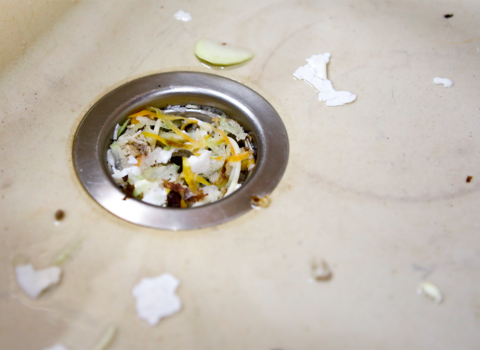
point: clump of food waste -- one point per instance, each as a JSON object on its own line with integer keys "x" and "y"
{"x": 258, "y": 203}
{"x": 176, "y": 161}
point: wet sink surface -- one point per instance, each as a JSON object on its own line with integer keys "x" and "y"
{"x": 377, "y": 188}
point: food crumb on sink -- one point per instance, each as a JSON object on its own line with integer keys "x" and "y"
{"x": 59, "y": 216}
{"x": 57, "y": 346}
{"x": 183, "y": 16}
{"x": 33, "y": 283}
{"x": 315, "y": 73}
{"x": 431, "y": 291}
{"x": 156, "y": 298}
{"x": 260, "y": 202}
{"x": 469, "y": 179}
{"x": 321, "y": 271}
{"x": 445, "y": 81}
{"x": 448, "y": 15}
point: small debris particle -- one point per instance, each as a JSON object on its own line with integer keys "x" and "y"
{"x": 224, "y": 44}
{"x": 469, "y": 179}
{"x": 448, "y": 15}
{"x": 59, "y": 215}
{"x": 321, "y": 272}
{"x": 125, "y": 178}
{"x": 156, "y": 298}
{"x": 183, "y": 16}
{"x": 431, "y": 291}
{"x": 260, "y": 202}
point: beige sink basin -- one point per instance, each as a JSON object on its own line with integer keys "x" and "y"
{"x": 376, "y": 188}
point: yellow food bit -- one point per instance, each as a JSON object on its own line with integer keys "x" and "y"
{"x": 189, "y": 121}
{"x": 144, "y": 113}
{"x": 202, "y": 181}
{"x": 172, "y": 126}
{"x": 140, "y": 159}
{"x": 239, "y": 157}
{"x": 188, "y": 175}
{"x": 134, "y": 121}
{"x": 227, "y": 141}
{"x": 156, "y": 137}
{"x": 183, "y": 204}
{"x": 247, "y": 163}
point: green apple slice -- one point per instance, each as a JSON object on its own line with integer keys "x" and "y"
{"x": 220, "y": 54}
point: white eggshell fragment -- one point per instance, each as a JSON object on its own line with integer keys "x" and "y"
{"x": 156, "y": 298}
{"x": 220, "y": 54}
{"x": 34, "y": 282}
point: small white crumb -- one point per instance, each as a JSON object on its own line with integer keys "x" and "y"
{"x": 315, "y": 73}
{"x": 115, "y": 133}
{"x": 431, "y": 291}
{"x": 57, "y": 346}
{"x": 445, "y": 81}
{"x": 156, "y": 298}
{"x": 183, "y": 16}
{"x": 35, "y": 282}
{"x": 131, "y": 160}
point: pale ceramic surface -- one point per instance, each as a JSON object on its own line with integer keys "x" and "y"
{"x": 376, "y": 188}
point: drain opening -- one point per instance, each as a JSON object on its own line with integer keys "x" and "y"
{"x": 180, "y": 156}
{"x": 194, "y": 95}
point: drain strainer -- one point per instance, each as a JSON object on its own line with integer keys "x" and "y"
{"x": 239, "y": 102}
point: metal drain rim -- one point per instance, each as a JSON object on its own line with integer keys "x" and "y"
{"x": 99, "y": 122}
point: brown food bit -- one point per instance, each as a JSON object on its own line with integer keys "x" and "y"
{"x": 174, "y": 199}
{"x": 59, "y": 215}
{"x": 469, "y": 179}
{"x": 224, "y": 44}
{"x": 260, "y": 202}
{"x": 448, "y": 15}
{"x": 125, "y": 178}
{"x": 187, "y": 195}
{"x": 128, "y": 190}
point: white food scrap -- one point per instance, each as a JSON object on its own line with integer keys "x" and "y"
{"x": 431, "y": 291}
{"x": 57, "y": 346}
{"x": 445, "y": 81}
{"x": 315, "y": 73}
{"x": 156, "y": 298}
{"x": 183, "y": 16}
{"x": 34, "y": 282}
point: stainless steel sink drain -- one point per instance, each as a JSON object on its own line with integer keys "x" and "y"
{"x": 239, "y": 102}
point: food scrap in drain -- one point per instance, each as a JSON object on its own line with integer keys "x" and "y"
{"x": 169, "y": 160}
{"x": 156, "y": 298}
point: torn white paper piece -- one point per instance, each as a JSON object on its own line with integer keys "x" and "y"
{"x": 34, "y": 282}
{"x": 156, "y": 298}
{"x": 57, "y": 346}
{"x": 183, "y": 16}
{"x": 445, "y": 81}
{"x": 315, "y": 73}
